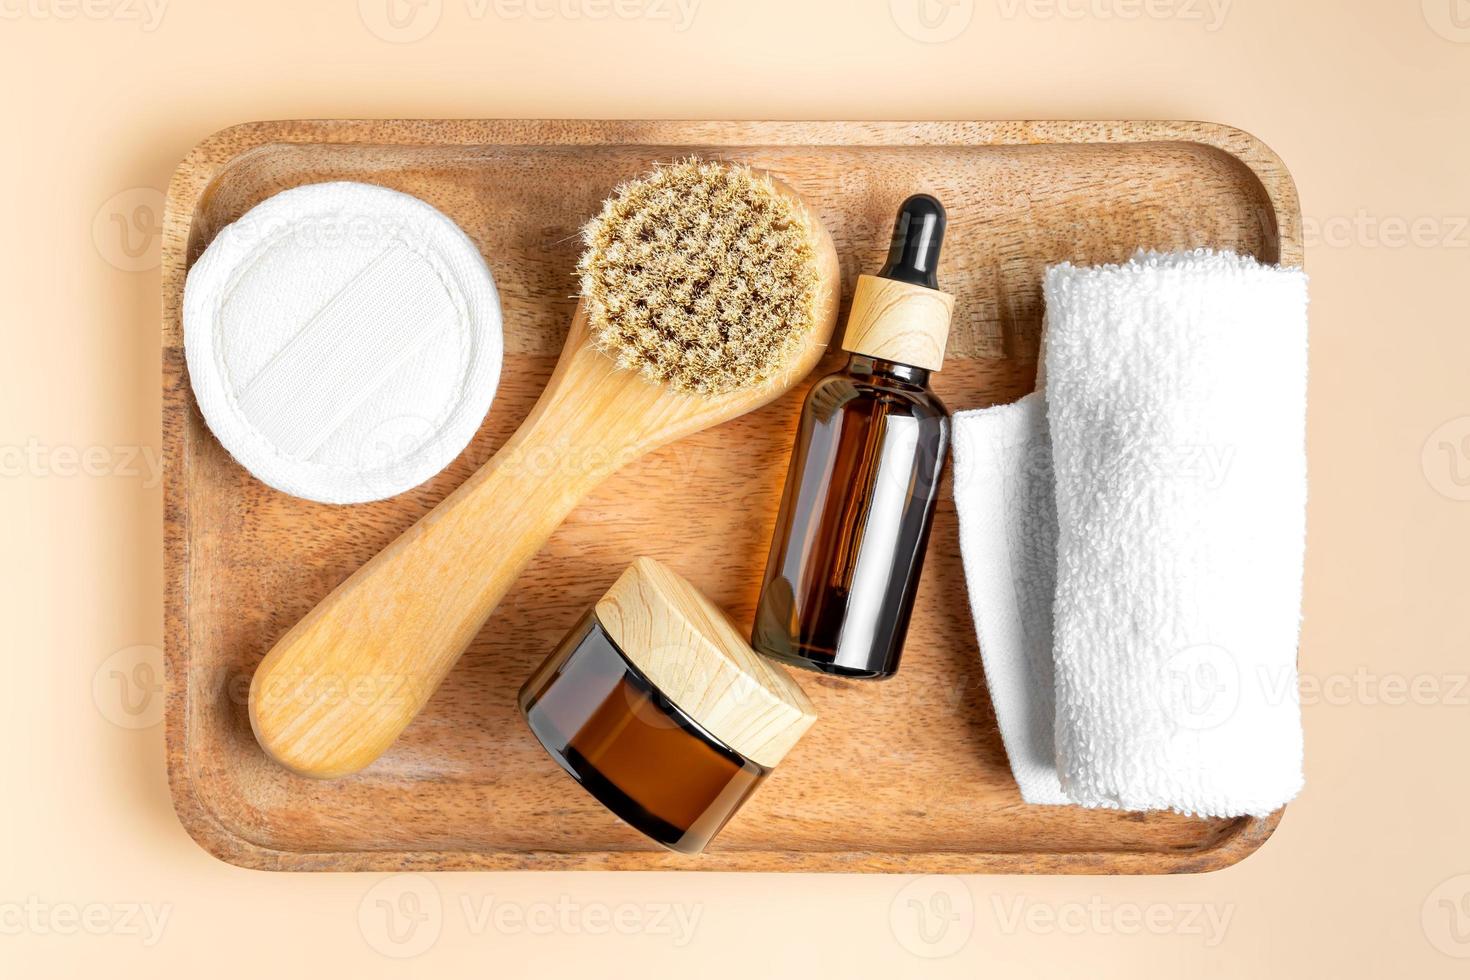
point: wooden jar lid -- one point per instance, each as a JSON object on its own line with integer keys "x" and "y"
{"x": 688, "y": 648}
{"x": 898, "y": 321}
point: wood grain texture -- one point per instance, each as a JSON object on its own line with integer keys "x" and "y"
{"x": 688, "y": 648}
{"x": 344, "y": 682}
{"x": 898, "y": 321}
{"x": 908, "y": 776}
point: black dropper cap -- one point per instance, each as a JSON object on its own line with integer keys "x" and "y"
{"x": 918, "y": 232}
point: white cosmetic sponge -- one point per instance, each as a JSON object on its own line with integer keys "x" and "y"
{"x": 343, "y": 341}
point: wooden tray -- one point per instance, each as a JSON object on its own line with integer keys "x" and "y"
{"x": 908, "y": 775}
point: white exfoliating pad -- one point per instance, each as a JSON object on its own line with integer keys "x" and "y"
{"x": 343, "y": 341}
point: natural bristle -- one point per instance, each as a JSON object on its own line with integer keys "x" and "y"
{"x": 702, "y": 276}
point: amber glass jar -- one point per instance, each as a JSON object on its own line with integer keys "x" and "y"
{"x": 612, "y": 730}
{"x": 607, "y": 706}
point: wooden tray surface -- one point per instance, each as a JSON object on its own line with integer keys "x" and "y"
{"x": 908, "y": 775}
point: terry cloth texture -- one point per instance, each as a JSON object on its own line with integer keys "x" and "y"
{"x": 1133, "y": 538}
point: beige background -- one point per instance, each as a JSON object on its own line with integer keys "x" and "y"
{"x": 1366, "y": 101}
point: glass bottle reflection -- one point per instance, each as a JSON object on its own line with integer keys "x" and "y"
{"x": 854, "y": 523}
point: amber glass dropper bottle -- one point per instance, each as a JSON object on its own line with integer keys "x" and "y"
{"x": 864, "y": 477}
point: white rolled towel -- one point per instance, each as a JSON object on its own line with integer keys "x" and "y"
{"x": 1156, "y": 490}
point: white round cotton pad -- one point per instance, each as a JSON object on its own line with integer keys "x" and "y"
{"x": 343, "y": 341}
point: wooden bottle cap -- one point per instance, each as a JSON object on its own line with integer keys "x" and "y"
{"x": 688, "y": 648}
{"x": 898, "y": 321}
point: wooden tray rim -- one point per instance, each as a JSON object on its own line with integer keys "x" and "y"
{"x": 212, "y": 156}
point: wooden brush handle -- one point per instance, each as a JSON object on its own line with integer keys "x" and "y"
{"x": 342, "y": 684}
{"x": 338, "y": 688}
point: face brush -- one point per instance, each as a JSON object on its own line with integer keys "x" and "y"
{"x": 707, "y": 291}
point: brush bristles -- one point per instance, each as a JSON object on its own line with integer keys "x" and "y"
{"x": 701, "y": 276}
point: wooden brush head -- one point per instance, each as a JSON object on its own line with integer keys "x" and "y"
{"x": 704, "y": 277}
{"x": 408, "y": 613}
